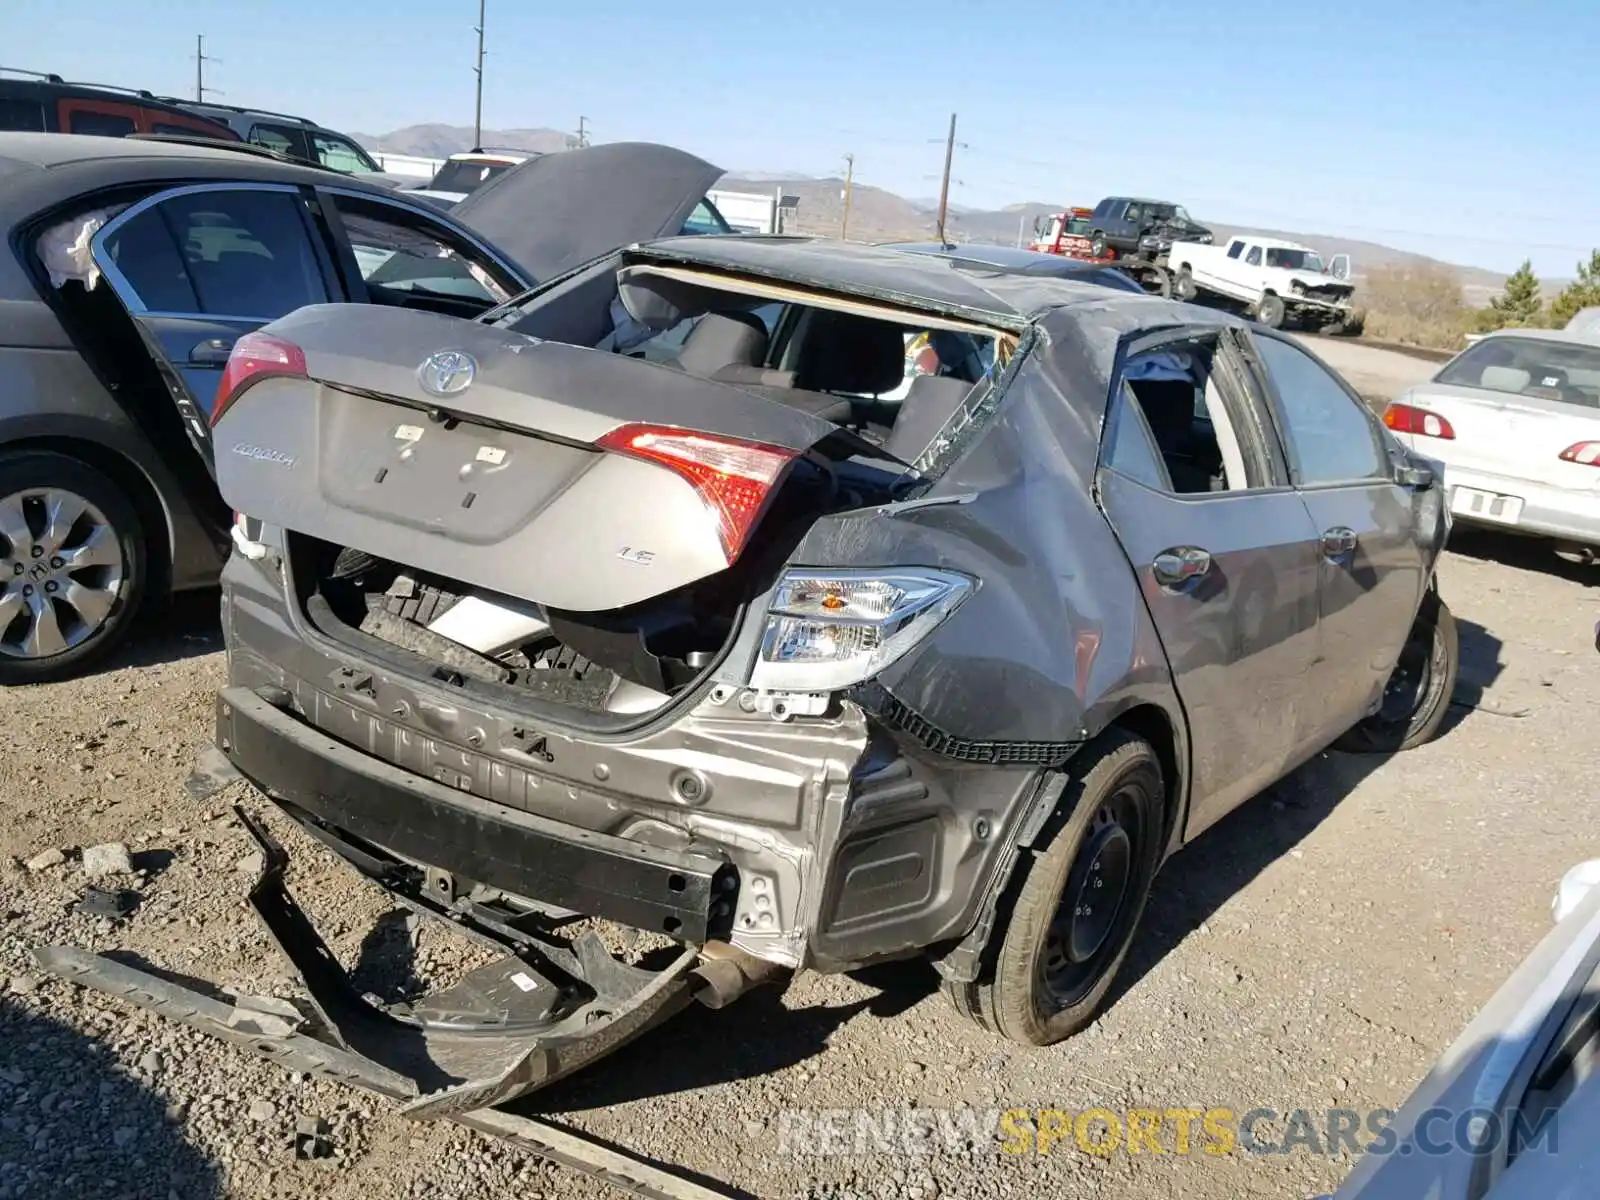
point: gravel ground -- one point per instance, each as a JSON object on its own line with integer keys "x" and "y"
{"x": 1319, "y": 947}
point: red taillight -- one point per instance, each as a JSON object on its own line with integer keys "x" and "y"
{"x": 733, "y": 477}
{"x": 1404, "y": 418}
{"x": 1585, "y": 453}
{"x": 253, "y": 357}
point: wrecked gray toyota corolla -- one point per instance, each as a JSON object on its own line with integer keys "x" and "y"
{"x": 690, "y": 592}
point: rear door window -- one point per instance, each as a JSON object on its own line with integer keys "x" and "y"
{"x": 705, "y": 219}
{"x": 239, "y": 253}
{"x": 1254, "y": 257}
{"x": 22, "y": 116}
{"x": 339, "y": 154}
{"x": 285, "y": 141}
{"x": 401, "y": 251}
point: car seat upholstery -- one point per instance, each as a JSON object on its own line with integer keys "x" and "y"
{"x": 1234, "y": 478}
{"x": 929, "y": 403}
{"x": 718, "y": 340}
{"x": 846, "y": 353}
{"x": 1504, "y": 379}
{"x": 1169, "y": 410}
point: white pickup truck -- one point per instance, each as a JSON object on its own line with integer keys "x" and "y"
{"x": 1276, "y": 281}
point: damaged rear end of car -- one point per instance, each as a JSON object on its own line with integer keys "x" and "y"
{"x": 741, "y": 655}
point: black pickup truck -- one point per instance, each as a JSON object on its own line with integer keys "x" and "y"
{"x": 1129, "y": 225}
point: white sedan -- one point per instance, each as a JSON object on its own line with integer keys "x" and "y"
{"x": 1515, "y": 421}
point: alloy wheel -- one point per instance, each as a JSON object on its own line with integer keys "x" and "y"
{"x": 61, "y": 570}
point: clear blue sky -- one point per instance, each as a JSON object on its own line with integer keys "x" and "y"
{"x": 1465, "y": 129}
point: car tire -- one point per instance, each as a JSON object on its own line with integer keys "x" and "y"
{"x": 1097, "y": 245}
{"x": 1183, "y": 286}
{"x": 1270, "y": 311}
{"x": 1046, "y": 983}
{"x": 89, "y": 608}
{"x": 1434, "y": 650}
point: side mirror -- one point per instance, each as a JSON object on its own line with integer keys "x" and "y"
{"x": 1417, "y": 478}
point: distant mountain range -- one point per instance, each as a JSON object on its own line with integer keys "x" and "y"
{"x": 880, "y": 215}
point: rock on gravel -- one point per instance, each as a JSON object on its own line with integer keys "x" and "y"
{"x": 111, "y": 858}
{"x": 46, "y": 859}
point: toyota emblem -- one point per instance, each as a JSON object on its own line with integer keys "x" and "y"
{"x": 447, "y": 373}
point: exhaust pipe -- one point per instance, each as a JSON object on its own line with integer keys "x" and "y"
{"x": 725, "y": 973}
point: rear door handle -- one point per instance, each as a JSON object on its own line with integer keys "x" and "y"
{"x": 1338, "y": 542}
{"x": 213, "y": 352}
{"x": 1175, "y": 567}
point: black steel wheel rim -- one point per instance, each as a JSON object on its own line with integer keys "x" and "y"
{"x": 1411, "y": 681}
{"x": 1090, "y": 921}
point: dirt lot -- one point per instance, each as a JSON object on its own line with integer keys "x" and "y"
{"x": 1318, "y": 948}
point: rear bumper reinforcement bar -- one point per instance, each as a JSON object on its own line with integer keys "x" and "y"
{"x": 595, "y": 874}
{"x": 501, "y": 1032}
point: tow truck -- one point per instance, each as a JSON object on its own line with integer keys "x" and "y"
{"x": 1068, "y": 233}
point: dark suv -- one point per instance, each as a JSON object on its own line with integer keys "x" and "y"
{"x": 1149, "y": 227}
{"x": 33, "y": 102}
{"x": 298, "y": 138}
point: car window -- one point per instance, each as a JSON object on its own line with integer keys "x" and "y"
{"x": 1234, "y": 249}
{"x": 339, "y": 154}
{"x": 1134, "y": 213}
{"x": 399, "y": 252}
{"x": 100, "y": 124}
{"x": 1328, "y": 434}
{"x": 1254, "y": 257}
{"x": 274, "y": 139}
{"x": 1132, "y": 451}
{"x": 1518, "y": 366}
{"x": 1188, "y": 410}
{"x": 467, "y": 175}
{"x": 23, "y": 116}
{"x": 705, "y": 219}
{"x": 243, "y": 253}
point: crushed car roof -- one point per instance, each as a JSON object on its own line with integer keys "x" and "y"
{"x": 990, "y": 294}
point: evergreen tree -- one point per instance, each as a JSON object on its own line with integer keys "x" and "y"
{"x": 1582, "y": 292}
{"x": 1520, "y": 303}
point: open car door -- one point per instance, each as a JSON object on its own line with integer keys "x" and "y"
{"x": 197, "y": 267}
{"x": 1339, "y": 267}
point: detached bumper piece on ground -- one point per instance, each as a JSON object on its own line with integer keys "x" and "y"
{"x": 504, "y": 1030}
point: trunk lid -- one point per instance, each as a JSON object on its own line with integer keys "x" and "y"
{"x": 556, "y": 211}
{"x": 501, "y": 483}
{"x": 1502, "y": 433}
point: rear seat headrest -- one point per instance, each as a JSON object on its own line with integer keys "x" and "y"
{"x": 723, "y": 339}
{"x": 1504, "y": 379}
{"x": 929, "y": 403}
{"x": 847, "y": 353}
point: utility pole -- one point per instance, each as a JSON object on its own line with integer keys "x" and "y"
{"x": 477, "y": 117}
{"x": 849, "y": 186}
{"x": 200, "y": 61}
{"x": 583, "y": 134}
{"x": 944, "y": 185}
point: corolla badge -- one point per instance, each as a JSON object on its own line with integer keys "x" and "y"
{"x": 447, "y": 373}
{"x": 264, "y": 454}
